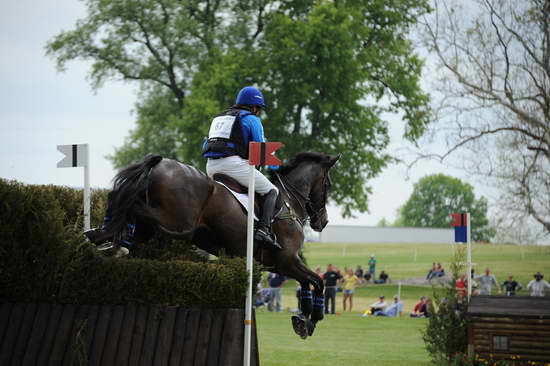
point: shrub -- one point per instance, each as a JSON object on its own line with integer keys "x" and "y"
{"x": 43, "y": 258}
{"x": 92, "y": 278}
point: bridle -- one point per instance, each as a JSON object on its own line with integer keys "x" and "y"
{"x": 306, "y": 204}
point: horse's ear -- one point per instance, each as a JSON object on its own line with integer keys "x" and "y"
{"x": 332, "y": 161}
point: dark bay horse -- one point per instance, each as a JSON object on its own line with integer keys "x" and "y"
{"x": 181, "y": 201}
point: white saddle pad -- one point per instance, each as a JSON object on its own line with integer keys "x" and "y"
{"x": 242, "y": 198}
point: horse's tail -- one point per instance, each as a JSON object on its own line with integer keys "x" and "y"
{"x": 129, "y": 193}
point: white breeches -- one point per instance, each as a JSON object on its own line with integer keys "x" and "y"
{"x": 238, "y": 169}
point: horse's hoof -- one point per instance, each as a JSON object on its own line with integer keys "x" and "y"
{"x": 300, "y": 327}
{"x": 121, "y": 252}
{"x": 310, "y": 327}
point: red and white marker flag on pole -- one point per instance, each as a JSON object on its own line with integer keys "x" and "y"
{"x": 259, "y": 153}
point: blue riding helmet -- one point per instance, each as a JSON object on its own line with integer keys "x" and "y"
{"x": 249, "y": 95}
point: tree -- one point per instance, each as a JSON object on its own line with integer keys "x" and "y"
{"x": 328, "y": 69}
{"x": 435, "y": 197}
{"x": 493, "y": 95}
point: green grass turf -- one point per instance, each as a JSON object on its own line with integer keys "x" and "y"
{"x": 398, "y": 259}
{"x": 349, "y": 339}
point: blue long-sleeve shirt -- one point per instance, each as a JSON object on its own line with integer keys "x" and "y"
{"x": 252, "y": 128}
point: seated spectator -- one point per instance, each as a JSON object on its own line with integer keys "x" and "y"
{"x": 263, "y": 295}
{"x": 538, "y": 285}
{"x": 367, "y": 277}
{"x": 440, "y": 272}
{"x": 378, "y": 306}
{"x": 383, "y": 278}
{"x": 436, "y": 271}
{"x": 359, "y": 272}
{"x": 393, "y": 310}
{"x": 510, "y": 286}
{"x": 420, "y": 308}
{"x": 432, "y": 270}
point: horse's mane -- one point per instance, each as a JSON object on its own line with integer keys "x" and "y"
{"x": 314, "y": 157}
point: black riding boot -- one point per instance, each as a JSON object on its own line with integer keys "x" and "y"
{"x": 263, "y": 230}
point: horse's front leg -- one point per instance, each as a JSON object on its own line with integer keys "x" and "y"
{"x": 312, "y": 303}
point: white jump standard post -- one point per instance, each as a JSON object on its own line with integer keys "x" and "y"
{"x": 78, "y": 155}
{"x": 259, "y": 153}
{"x": 249, "y": 264}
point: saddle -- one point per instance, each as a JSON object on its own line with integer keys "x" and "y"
{"x": 237, "y": 187}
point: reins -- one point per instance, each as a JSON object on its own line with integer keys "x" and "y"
{"x": 293, "y": 192}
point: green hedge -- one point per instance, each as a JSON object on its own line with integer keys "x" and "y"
{"x": 43, "y": 258}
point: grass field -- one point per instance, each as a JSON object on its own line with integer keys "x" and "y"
{"x": 349, "y": 339}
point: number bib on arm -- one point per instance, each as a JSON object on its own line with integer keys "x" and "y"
{"x": 221, "y": 127}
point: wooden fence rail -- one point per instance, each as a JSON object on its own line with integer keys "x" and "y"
{"x": 54, "y": 334}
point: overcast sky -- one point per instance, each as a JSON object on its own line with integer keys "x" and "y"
{"x": 41, "y": 108}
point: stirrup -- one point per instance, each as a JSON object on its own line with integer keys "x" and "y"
{"x": 119, "y": 251}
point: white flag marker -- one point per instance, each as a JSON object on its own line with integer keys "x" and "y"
{"x": 75, "y": 156}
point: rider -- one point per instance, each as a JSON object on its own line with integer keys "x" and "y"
{"x": 227, "y": 151}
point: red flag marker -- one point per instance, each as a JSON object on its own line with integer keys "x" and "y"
{"x": 261, "y": 153}
{"x": 459, "y": 219}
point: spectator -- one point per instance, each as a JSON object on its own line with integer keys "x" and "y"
{"x": 367, "y": 277}
{"x": 276, "y": 281}
{"x": 393, "y": 310}
{"x": 432, "y": 270}
{"x": 330, "y": 277}
{"x": 460, "y": 286}
{"x": 538, "y": 285}
{"x": 350, "y": 281}
{"x": 436, "y": 271}
{"x": 262, "y": 296}
{"x": 378, "y": 306}
{"x": 440, "y": 272}
{"x": 510, "y": 286}
{"x": 419, "y": 310}
{"x": 486, "y": 282}
{"x": 383, "y": 278}
{"x": 319, "y": 272}
{"x": 372, "y": 267}
{"x": 359, "y": 272}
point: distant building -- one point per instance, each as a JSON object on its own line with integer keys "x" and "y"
{"x": 377, "y": 234}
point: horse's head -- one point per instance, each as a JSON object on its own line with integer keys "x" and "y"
{"x": 316, "y": 207}
{"x": 307, "y": 177}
